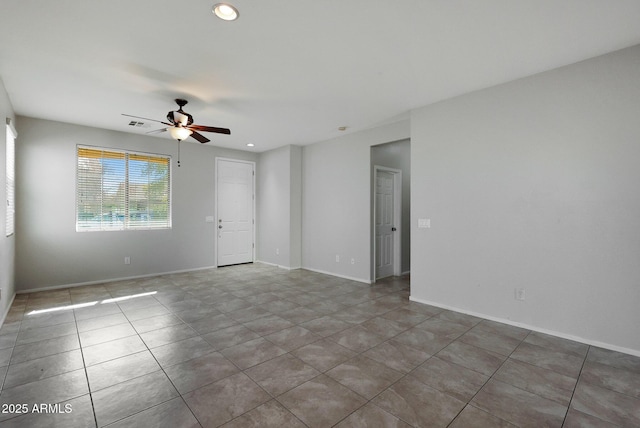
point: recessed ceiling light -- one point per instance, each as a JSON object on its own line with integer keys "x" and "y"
{"x": 225, "y": 11}
{"x": 250, "y": 145}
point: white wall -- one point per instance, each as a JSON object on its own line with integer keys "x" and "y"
{"x": 49, "y": 252}
{"x": 279, "y": 207}
{"x": 295, "y": 207}
{"x": 336, "y": 203}
{"x": 534, "y": 184}
{"x": 397, "y": 155}
{"x": 7, "y": 243}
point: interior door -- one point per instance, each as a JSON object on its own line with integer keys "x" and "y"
{"x": 385, "y": 228}
{"x": 235, "y": 211}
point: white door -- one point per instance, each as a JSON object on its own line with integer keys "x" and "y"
{"x": 385, "y": 227}
{"x": 234, "y": 203}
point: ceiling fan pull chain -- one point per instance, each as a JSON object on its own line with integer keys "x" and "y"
{"x": 178, "y": 153}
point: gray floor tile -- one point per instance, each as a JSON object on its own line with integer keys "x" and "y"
{"x": 566, "y": 364}
{"x": 397, "y": 356}
{"x": 452, "y": 379}
{"x": 364, "y": 376}
{"x": 121, "y": 369}
{"x": 200, "y": 371}
{"x": 170, "y": 414}
{"x": 576, "y": 419}
{"x": 73, "y": 413}
{"x": 321, "y": 402}
{"x": 472, "y": 357}
{"x": 41, "y": 368}
{"x": 101, "y": 322}
{"x": 418, "y": 404}
{"x": 292, "y": 338}
{"x": 167, "y": 335}
{"x": 422, "y": 340}
{"x": 281, "y": 374}
{"x": 268, "y": 324}
{"x": 371, "y": 416}
{"x": 44, "y": 348}
{"x": 55, "y": 389}
{"x": 443, "y": 328}
{"x": 127, "y": 398}
{"x": 472, "y": 417}
{"x": 113, "y": 349}
{"x": 420, "y": 364}
{"x": 182, "y": 350}
{"x": 212, "y": 323}
{"x": 269, "y": 415}
{"x": 490, "y": 341}
{"x": 324, "y": 354}
{"x": 154, "y": 323}
{"x": 44, "y": 333}
{"x": 357, "y": 338}
{"x": 519, "y": 407}
{"x": 558, "y": 344}
{"x": 325, "y": 326}
{"x": 543, "y": 382}
{"x": 607, "y": 405}
{"x": 107, "y": 334}
{"x": 220, "y": 402}
{"x": 230, "y": 336}
{"x": 251, "y": 353}
{"x": 614, "y": 359}
{"x": 605, "y": 376}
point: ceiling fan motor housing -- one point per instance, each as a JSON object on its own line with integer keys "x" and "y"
{"x": 180, "y": 118}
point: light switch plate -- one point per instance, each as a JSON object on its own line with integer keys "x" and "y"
{"x": 424, "y": 223}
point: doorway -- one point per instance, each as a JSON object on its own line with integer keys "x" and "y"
{"x": 387, "y": 221}
{"x": 235, "y": 211}
{"x": 392, "y": 157}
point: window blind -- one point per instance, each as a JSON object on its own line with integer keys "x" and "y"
{"x": 10, "y": 161}
{"x": 119, "y": 190}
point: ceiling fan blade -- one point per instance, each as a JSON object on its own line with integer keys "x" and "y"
{"x": 200, "y": 137}
{"x": 210, "y": 129}
{"x": 146, "y": 118}
{"x": 157, "y": 131}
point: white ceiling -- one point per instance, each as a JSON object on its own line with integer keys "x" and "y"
{"x": 286, "y": 72}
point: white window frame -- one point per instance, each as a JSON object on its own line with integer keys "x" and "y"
{"x": 11, "y": 135}
{"x": 126, "y": 224}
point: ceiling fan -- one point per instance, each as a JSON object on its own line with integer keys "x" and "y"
{"x": 180, "y": 125}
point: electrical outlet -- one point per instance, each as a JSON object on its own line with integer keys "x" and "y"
{"x": 353, "y": 261}
{"x": 277, "y": 251}
{"x": 519, "y": 294}
{"x": 127, "y": 260}
{"x": 337, "y": 258}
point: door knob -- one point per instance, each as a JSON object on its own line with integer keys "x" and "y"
{"x": 220, "y": 227}
{"x": 393, "y": 229}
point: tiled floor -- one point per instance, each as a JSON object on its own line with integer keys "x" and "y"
{"x": 257, "y": 346}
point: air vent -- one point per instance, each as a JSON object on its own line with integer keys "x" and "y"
{"x": 136, "y": 123}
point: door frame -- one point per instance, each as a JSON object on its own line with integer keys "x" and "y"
{"x": 215, "y": 202}
{"x": 397, "y": 219}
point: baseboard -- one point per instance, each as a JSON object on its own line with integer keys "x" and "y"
{"x": 532, "y": 328}
{"x": 102, "y": 281}
{"x": 366, "y": 281}
{"x": 6, "y": 312}
{"x": 277, "y": 265}
{"x": 405, "y": 273}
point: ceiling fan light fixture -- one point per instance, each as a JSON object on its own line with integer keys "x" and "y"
{"x": 179, "y": 133}
{"x": 226, "y": 11}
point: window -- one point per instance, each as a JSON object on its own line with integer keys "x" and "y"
{"x": 11, "y": 178}
{"x": 118, "y": 190}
